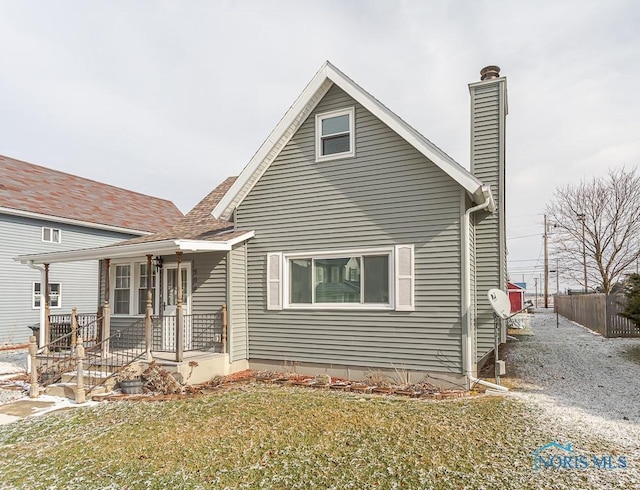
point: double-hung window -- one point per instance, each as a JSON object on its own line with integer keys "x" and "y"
{"x": 335, "y": 135}
{"x": 55, "y": 295}
{"x": 365, "y": 279}
{"x": 129, "y": 288}
{"x": 122, "y": 289}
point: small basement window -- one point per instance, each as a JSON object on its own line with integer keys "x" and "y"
{"x": 335, "y": 135}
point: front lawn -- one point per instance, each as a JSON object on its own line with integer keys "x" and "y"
{"x": 258, "y": 436}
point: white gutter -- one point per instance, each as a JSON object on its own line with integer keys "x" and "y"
{"x": 467, "y": 335}
{"x": 42, "y": 305}
{"x": 74, "y": 222}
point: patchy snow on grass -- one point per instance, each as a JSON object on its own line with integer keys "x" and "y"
{"x": 586, "y": 386}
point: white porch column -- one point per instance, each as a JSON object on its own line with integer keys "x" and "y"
{"x": 47, "y": 308}
{"x": 106, "y": 310}
{"x": 149, "y": 311}
{"x": 179, "y": 317}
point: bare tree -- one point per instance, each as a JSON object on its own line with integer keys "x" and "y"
{"x": 600, "y": 219}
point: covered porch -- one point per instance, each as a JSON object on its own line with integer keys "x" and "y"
{"x": 159, "y": 300}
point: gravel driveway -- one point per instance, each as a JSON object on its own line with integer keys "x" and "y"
{"x": 587, "y": 386}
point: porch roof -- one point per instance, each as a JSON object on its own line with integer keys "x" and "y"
{"x": 222, "y": 241}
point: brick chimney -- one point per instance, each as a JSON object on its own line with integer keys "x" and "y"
{"x": 488, "y": 115}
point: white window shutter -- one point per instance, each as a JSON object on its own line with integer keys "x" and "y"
{"x": 274, "y": 281}
{"x": 404, "y": 278}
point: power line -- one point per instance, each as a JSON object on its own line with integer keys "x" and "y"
{"x": 522, "y": 236}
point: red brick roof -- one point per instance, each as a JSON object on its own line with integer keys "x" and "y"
{"x": 28, "y": 187}
{"x": 198, "y": 224}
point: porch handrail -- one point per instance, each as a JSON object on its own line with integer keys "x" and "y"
{"x": 116, "y": 361}
{"x": 59, "y": 361}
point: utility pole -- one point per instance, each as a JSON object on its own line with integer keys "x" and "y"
{"x": 546, "y": 265}
{"x": 582, "y": 217}
{"x": 535, "y": 280}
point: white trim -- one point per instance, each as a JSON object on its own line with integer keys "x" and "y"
{"x": 350, "y": 111}
{"x": 299, "y": 111}
{"x": 71, "y": 221}
{"x": 132, "y": 250}
{"x": 338, "y": 254}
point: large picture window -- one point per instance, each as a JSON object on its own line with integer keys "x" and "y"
{"x": 381, "y": 278}
{"x": 358, "y": 279}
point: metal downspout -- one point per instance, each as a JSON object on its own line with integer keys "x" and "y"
{"x": 42, "y": 303}
{"x": 468, "y": 343}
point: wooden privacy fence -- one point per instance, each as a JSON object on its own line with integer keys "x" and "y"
{"x": 597, "y": 312}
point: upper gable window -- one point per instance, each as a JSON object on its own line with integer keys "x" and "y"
{"x": 335, "y": 135}
{"x": 51, "y": 235}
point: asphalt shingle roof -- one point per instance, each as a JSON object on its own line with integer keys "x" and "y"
{"x": 28, "y": 187}
{"x": 198, "y": 224}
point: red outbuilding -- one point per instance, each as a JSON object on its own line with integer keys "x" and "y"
{"x": 516, "y": 296}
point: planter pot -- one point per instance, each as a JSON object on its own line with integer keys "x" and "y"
{"x": 131, "y": 386}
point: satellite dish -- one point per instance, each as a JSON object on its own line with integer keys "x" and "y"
{"x": 499, "y": 302}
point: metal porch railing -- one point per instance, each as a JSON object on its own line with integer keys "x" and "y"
{"x": 202, "y": 331}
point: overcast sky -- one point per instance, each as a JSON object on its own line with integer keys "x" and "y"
{"x": 169, "y": 98}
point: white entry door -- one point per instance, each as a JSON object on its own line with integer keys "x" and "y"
{"x": 170, "y": 295}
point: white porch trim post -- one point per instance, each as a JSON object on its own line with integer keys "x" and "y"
{"x": 179, "y": 317}
{"x": 149, "y": 311}
{"x": 106, "y": 311}
{"x": 47, "y": 309}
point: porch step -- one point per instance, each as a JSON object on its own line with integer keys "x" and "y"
{"x": 67, "y": 390}
{"x": 91, "y": 378}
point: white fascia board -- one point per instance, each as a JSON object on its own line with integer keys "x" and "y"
{"x": 208, "y": 246}
{"x": 285, "y": 123}
{"x": 70, "y": 221}
{"x": 108, "y": 252}
{"x": 162, "y": 247}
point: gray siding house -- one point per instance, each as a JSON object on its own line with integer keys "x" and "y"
{"x": 43, "y": 210}
{"x": 349, "y": 243}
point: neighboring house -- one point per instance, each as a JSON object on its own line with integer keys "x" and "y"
{"x": 516, "y": 295}
{"x": 349, "y": 243}
{"x": 43, "y": 210}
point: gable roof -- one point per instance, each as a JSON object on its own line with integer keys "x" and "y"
{"x": 39, "y": 192}
{"x": 196, "y": 232}
{"x": 327, "y": 76}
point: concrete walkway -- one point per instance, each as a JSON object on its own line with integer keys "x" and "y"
{"x": 14, "y": 403}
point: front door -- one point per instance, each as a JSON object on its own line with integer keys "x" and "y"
{"x": 170, "y": 295}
